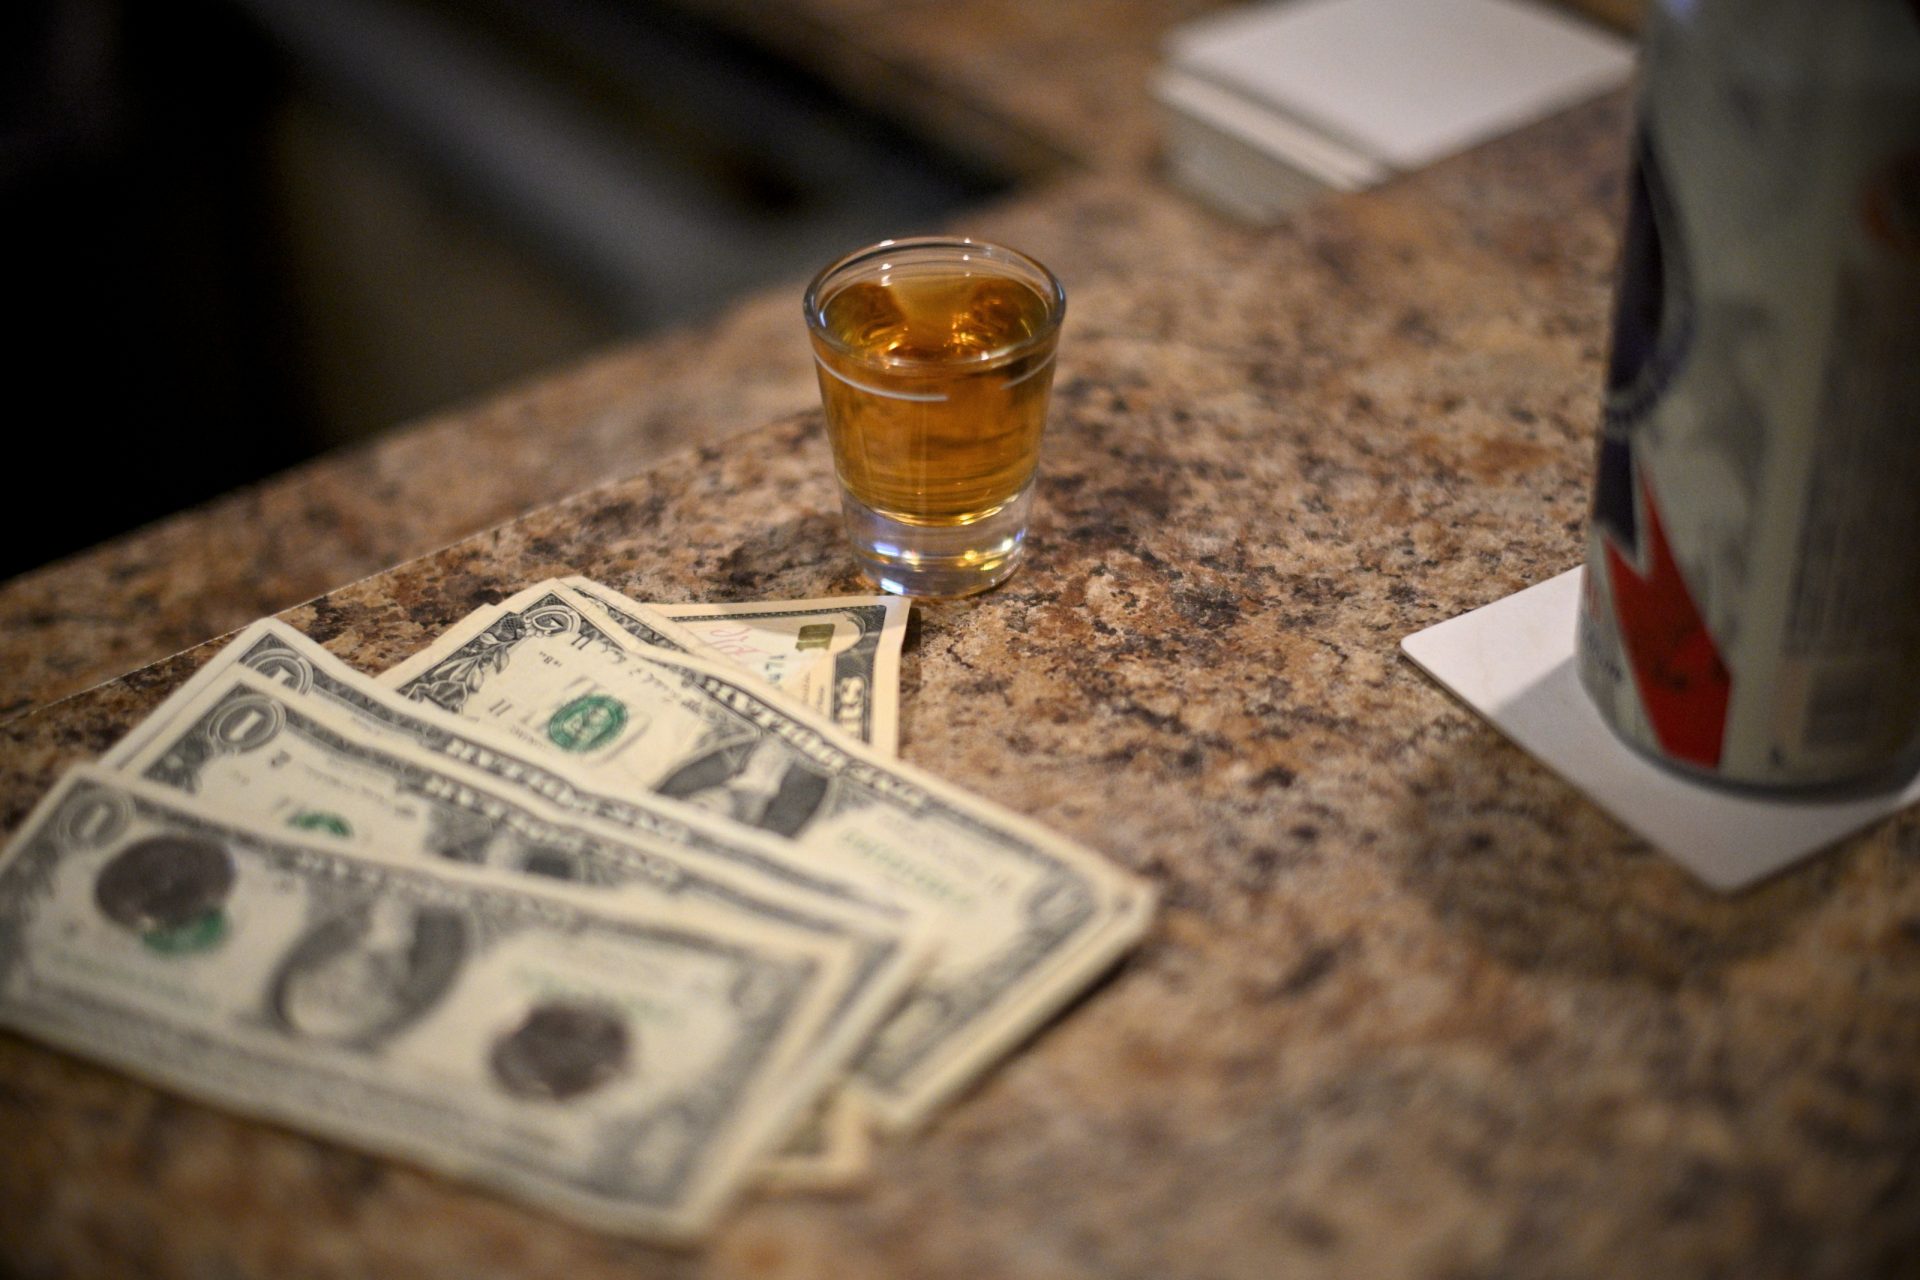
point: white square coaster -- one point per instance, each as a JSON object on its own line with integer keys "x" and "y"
{"x": 1405, "y": 82}
{"x": 1513, "y": 662}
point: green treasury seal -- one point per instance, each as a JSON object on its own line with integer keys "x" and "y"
{"x": 589, "y": 721}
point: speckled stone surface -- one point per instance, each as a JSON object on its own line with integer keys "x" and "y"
{"x": 1412, "y": 1007}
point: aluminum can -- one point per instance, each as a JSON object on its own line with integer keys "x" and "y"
{"x": 1751, "y": 606}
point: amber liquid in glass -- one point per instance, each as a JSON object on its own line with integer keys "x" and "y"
{"x": 937, "y": 414}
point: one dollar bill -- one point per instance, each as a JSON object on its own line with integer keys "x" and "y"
{"x": 573, "y": 1049}
{"x": 838, "y": 655}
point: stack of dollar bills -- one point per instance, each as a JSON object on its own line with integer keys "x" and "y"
{"x": 619, "y": 908}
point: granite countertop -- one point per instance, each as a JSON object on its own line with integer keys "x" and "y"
{"x": 1411, "y": 1007}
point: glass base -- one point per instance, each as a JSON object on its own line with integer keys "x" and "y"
{"x": 938, "y": 560}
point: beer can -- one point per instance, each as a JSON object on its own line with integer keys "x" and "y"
{"x": 1751, "y": 606}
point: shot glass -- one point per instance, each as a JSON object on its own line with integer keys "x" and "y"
{"x": 935, "y": 360}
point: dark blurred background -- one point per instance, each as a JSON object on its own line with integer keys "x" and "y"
{"x": 241, "y": 232}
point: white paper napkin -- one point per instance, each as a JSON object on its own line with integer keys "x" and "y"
{"x": 1404, "y": 81}
{"x": 1512, "y": 661}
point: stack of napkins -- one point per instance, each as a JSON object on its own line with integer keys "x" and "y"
{"x": 1269, "y": 105}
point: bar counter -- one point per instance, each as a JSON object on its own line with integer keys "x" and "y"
{"x": 1411, "y": 1006}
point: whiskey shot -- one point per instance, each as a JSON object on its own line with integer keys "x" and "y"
{"x": 935, "y": 360}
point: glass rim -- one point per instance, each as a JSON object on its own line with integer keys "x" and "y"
{"x": 1029, "y": 270}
